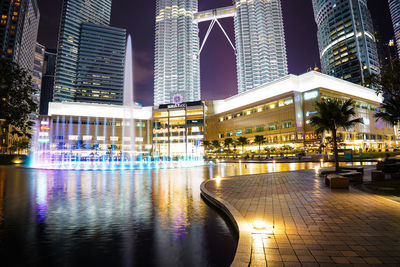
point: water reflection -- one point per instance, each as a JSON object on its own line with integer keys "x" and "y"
{"x": 120, "y": 218}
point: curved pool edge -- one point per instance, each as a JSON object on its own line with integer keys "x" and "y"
{"x": 244, "y": 247}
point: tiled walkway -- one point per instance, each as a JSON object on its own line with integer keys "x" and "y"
{"x": 313, "y": 226}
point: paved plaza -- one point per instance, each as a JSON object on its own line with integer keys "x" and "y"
{"x": 308, "y": 224}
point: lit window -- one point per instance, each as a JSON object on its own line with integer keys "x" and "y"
{"x": 287, "y": 124}
{"x": 73, "y": 137}
{"x": 272, "y": 127}
{"x": 260, "y": 129}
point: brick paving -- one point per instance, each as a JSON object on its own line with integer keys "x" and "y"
{"x": 313, "y": 225}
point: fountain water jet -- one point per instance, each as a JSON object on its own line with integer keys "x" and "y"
{"x": 99, "y": 146}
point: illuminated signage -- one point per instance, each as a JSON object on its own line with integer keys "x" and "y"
{"x": 177, "y": 106}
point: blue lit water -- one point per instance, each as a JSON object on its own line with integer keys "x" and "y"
{"x": 128, "y": 218}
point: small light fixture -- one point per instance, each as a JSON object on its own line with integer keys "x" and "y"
{"x": 261, "y": 227}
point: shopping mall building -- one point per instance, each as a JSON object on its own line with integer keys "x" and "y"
{"x": 280, "y": 111}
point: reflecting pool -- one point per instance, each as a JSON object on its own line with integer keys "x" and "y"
{"x": 120, "y": 218}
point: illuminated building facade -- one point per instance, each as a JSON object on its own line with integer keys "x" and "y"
{"x": 395, "y": 12}
{"x": 38, "y": 70}
{"x": 95, "y": 129}
{"x": 260, "y": 43}
{"x": 100, "y": 76}
{"x": 85, "y": 38}
{"x": 19, "y": 24}
{"x": 176, "y": 65}
{"x": 281, "y": 111}
{"x": 346, "y": 39}
{"x": 178, "y": 130}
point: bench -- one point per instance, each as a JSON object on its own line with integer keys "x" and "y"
{"x": 353, "y": 176}
{"x": 335, "y": 181}
{"x": 357, "y": 169}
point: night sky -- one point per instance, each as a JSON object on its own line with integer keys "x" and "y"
{"x": 218, "y": 63}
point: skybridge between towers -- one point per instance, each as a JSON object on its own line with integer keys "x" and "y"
{"x": 219, "y": 13}
{"x": 214, "y": 15}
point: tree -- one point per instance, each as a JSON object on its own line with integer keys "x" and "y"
{"x": 259, "y": 139}
{"x": 235, "y": 144}
{"x": 389, "y": 110}
{"x": 206, "y": 145}
{"x": 20, "y": 145}
{"x": 242, "y": 141}
{"x": 217, "y": 145}
{"x": 388, "y": 83}
{"x": 227, "y": 144}
{"x": 16, "y": 98}
{"x": 334, "y": 114}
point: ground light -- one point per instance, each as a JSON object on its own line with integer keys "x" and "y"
{"x": 261, "y": 227}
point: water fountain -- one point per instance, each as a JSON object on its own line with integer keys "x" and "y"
{"x": 102, "y": 137}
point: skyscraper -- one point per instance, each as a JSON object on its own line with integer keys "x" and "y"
{"x": 260, "y": 46}
{"x": 19, "y": 24}
{"x": 260, "y": 43}
{"x": 346, "y": 39}
{"x": 74, "y": 13}
{"x": 100, "y": 76}
{"x": 176, "y": 66}
{"x": 38, "y": 69}
{"x": 394, "y": 6}
{"x": 49, "y": 70}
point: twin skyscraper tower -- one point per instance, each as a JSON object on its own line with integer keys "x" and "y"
{"x": 259, "y": 46}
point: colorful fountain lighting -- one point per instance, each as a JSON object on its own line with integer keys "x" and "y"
{"x": 82, "y": 136}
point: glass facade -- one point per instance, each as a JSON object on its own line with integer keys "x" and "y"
{"x": 178, "y": 130}
{"x": 176, "y": 66}
{"x": 346, "y": 39}
{"x": 19, "y": 24}
{"x": 38, "y": 69}
{"x": 100, "y": 78}
{"x": 74, "y": 13}
{"x": 260, "y": 43}
{"x": 395, "y": 12}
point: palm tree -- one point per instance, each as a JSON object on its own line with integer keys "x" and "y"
{"x": 206, "y": 145}
{"x": 332, "y": 115}
{"x": 388, "y": 83}
{"x": 217, "y": 145}
{"x": 227, "y": 144}
{"x": 235, "y": 144}
{"x": 390, "y": 110}
{"x": 242, "y": 141}
{"x": 259, "y": 139}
